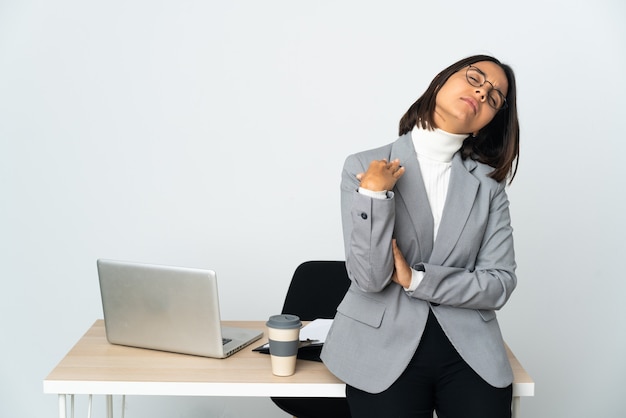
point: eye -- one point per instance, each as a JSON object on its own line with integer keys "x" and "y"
{"x": 474, "y": 79}
{"x": 494, "y": 101}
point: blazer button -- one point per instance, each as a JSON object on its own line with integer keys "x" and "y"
{"x": 363, "y": 215}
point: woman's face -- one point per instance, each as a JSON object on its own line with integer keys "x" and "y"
{"x": 461, "y": 108}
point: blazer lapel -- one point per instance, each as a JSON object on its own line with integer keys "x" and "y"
{"x": 411, "y": 190}
{"x": 459, "y": 202}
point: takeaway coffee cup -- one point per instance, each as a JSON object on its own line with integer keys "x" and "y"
{"x": 284, "y": 335}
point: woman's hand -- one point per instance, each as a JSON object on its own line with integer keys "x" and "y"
{"x": 381, "y": 175}
{"x": 402, "y": 273}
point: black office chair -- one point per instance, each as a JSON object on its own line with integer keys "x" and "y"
{"x": 316, "y": 289}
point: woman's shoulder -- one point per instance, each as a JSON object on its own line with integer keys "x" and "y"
{"x": 377, "y": 153}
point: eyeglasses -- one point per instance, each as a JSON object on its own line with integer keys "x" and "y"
{"x": 477, "y": 78}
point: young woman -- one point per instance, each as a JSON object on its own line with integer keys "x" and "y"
{"x": 429, "y": 250}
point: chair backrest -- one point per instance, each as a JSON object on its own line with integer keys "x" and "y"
{"x": 316, "y": 289}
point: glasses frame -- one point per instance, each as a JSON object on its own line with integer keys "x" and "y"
{"x": 493, "y": 88}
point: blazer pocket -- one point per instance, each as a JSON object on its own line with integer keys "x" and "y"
{"x": 487, "y": 315}
{"x": 362, "y": 309}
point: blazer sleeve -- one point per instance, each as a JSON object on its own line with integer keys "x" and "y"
{"x": 489, "y": 283}
{"x": 368, "y": 225}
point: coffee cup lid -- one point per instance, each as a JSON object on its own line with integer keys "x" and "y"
{"x": 284, "y": 321}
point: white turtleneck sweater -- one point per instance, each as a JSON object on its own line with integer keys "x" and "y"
{"x": 435, "y": 150}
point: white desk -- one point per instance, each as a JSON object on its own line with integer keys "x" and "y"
{"x": 95, "y": 367}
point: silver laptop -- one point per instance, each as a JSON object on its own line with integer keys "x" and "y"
{"x": 166, "y": 308}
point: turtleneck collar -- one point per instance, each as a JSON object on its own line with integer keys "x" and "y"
{"x": 436, "y": 145}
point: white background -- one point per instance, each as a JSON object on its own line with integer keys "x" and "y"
{"x": 212, "y": 134}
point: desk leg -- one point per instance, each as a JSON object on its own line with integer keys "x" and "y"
{"x": 515, "y": 407}
{"x": 109, "y": 401}
{"x": 62, "y": 409}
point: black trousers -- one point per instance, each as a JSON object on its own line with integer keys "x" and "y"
{"x": 436, "y": 379}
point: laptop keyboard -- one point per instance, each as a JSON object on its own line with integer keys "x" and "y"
{"x": 226, "y": 340}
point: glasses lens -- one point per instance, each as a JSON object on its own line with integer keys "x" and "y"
{"x": 475, "y": 77}
{"x": 496, "y": 99}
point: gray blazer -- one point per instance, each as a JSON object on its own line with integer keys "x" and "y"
{"x": 470, "y": 272}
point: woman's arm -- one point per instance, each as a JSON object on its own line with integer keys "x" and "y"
{"x": 492, "y": 280}
{"x": 368, "y": 222}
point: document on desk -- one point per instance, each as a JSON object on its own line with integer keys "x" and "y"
{"x": 316, "y": 331}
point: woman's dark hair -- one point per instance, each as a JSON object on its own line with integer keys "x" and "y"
{"x": 497, "y": 144}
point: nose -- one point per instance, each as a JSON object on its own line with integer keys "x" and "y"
{"x": 482, "y": 92}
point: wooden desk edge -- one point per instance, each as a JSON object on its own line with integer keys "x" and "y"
{"x": 523, "y": 384}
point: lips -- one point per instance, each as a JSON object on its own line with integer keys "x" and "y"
{"x": 471, "y": 102}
